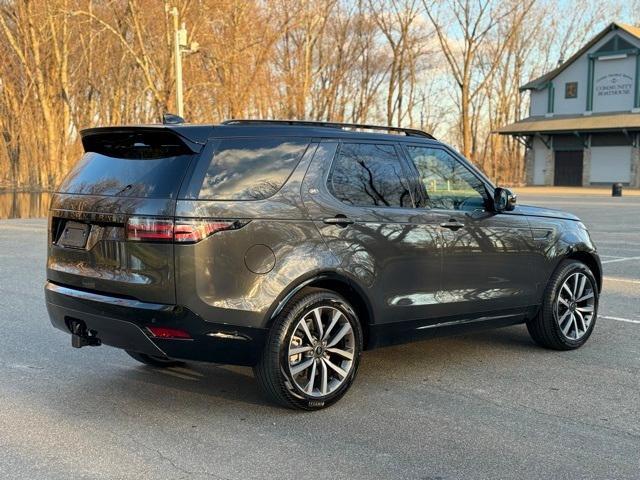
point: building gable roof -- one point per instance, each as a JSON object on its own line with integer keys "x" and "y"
{"x": 541, "y": 82}
{"x": 573, "y": 123}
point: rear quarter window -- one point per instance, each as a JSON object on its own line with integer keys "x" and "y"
{"x": 251, "y": 168}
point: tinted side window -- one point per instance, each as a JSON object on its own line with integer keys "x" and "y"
{"x": 448, "y": 184}
{"x": 369, "y": 175}
{"x": 251, "y": 168}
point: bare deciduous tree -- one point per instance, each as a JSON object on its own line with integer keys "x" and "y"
{"x": 449, "y": 66}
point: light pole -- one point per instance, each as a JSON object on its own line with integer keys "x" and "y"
{"x": 180, "y": 47}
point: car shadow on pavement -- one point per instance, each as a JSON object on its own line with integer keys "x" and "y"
{"x": 198, "y": 387}
{"x": 512, "y": 338}
{"x": 221, "y": 382}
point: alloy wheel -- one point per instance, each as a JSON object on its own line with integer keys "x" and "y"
{"x": 321, "y": 351}
{"x": 575, "y": 305}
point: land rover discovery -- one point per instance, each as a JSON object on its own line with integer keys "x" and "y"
{"x": 293, "y": 246}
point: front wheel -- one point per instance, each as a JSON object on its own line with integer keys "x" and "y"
{"x": 569, "y": 310}
{"x": 312, "y": 352}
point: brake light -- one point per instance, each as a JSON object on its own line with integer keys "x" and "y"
{"x": 163, "y": 332}
{"x": 150, "y": 229}
{"x": 192, "y": 231}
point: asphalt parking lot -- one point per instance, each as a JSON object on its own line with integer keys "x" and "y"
{"x": 488, "y": 405}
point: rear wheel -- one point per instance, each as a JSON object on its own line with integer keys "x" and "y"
{"x": 152, "y": 360}
{"x": 569, "y": 310}
{"x": 312, "y": 352}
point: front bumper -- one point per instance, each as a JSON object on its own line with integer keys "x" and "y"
{"x": 121, "y": 322}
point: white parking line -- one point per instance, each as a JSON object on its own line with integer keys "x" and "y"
{"x": 619, "y": 319}
{"x": 620, "y": 245}
{"x": 625, "y": 280}
{"x": 624, "y": 259}
{"x": 24, "y": 228}
{"x": 604, "y": 232}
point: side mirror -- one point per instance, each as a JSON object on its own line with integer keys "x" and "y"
{"x": 504, "y": 200}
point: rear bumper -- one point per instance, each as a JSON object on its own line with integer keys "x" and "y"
{"x": 122, "y": 322}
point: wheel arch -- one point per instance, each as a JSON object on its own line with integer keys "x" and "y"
{"x": 336, "y": 282}
{"x": 590, "y": 260}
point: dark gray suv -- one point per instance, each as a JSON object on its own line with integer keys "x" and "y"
{"x": 294, "y": 246}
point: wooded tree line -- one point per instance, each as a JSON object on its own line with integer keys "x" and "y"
{"x": 451, "y": 67}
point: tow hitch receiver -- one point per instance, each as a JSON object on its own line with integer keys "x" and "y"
{"x": 81, "y": 337}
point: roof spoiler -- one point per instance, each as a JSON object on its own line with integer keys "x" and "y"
{"x": 192, "y": 137}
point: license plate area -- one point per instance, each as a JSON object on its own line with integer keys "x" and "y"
{"x": 74, "y": 235}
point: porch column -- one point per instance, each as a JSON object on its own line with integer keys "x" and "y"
{"x": 634, "y": 180}
{"x": 529, "y": 165}
{"x": 549, "y": 164}
{"x": 586, "y": 163}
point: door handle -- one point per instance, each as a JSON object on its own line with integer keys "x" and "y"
{"x": 340, "y": 220}
{"x": 452, "y": 225}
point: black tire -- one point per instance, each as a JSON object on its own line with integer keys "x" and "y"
{"x": 153, "y": 361}
{"x": 273, "y": 371}
{"x": 544, "y": 328}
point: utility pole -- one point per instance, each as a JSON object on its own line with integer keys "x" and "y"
{"x": 179, "y": 47}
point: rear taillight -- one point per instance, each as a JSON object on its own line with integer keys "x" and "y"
{"x": 150, "y": 229}
{"x": 192, "y": 231}
{"x": 146, "y": 229}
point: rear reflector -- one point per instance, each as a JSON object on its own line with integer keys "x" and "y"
{"x": 163, "y": 332}
{"x": 150, "y": 229}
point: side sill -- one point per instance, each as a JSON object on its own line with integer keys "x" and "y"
{"x": 405, "y": 332}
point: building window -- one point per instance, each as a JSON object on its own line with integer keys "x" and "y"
{"x": 571, "y": 90}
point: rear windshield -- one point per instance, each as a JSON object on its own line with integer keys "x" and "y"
{"x": 131, "y": 165}
{"x": 251, "y": 168}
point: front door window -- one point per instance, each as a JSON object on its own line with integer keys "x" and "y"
{"x": 448, "y": 184}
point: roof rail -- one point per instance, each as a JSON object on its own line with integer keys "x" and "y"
{"x": 344, "y": 126}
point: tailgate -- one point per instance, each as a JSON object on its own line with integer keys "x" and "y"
{"x": 125, "y": 176}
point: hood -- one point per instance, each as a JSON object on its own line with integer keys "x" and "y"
{"x": 530, "y": 210}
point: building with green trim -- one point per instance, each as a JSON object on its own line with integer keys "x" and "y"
{"x": 584, "y": 120}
